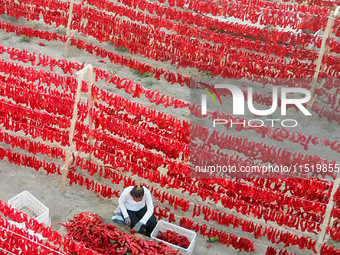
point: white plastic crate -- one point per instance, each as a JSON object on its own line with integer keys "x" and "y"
{"x": 27, "y": 203}
{"x": 164, "y": 226}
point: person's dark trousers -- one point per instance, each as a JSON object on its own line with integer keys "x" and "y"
{"x": 136, "y": 216}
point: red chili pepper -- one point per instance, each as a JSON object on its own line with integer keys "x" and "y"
{"x": 174, "y": 238}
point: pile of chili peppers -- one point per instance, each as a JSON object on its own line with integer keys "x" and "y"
{"x": 89, "y": 229}
{"x": 174, "y": 238}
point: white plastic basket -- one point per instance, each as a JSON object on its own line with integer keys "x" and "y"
{"x": 28, "y": 204}
{"x": 164, "y": 226}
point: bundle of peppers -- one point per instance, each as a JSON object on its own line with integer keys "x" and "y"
{"x": 174, "y": 238}
{"x": 90, "y": 230}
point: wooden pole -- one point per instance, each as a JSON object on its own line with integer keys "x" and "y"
{"x": 327, "y": 236}
{"x": 90, "y": 105}
{"x": 80, "y": 76}
{"x": 68, "y": 29}
{"x": 327, "y": 215}
{"x": 322, "y": 52}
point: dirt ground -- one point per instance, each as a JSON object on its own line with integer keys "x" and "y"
{"x": 62, "y": 206}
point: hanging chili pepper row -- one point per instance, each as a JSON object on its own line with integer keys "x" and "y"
{"x": 156, "y": 72}
{"x": 242, "y": 191}
{"x": 44, "y": 61}
{"x": 273, "y": 251}
{"x": 110, "y": 78}
{"x": 263, "y": 99}
{"x": 54, "y": 13}
{"x": 130, "y": 149}
{"x": 101, "y": 36}
{"x": 80, "y": 131}
{"x": 318, "y": 2}
{"x": 164, "y": 121}
{"x": 181, "y": 50}
{"x": 62, "y": 6}
{"x": 24, "y": 114}
{"x": 165, "y": 100}
{"x": 253, "y": 150}
{"x": 196, "y": 50}
{"x": 272, "y": 234}
{"x": 334, "y": 232}
{"x": 171, "y": 148}
{"x": 29, "y": 161}
{"x": 318, "y": 193}
{"x": 31, "y": 75}
{"x": 329, "y": 250}
{"x": 131, "y": 63}
{"x": 164, "y": 213}
{"x": 46, "y": 91}
{"x": 278, "y": 134}
{"x": 31, "y": 146}
{"x": 39, "y": 98}
{"x": 153, "y": 96}
{"x": 330, "y": 115}
{"x": 271, "y": 7}
{"x": 53, "y": 236}
{"x": 91, "y": 184}
{"x": 109, "y": 144}
{"x": 289, "y": 219}
{"x": 280, "y": 17}
{"x": 107, "y": 155}
{"x": 198, "y": 20}
{"x": 203, "y": 34}
{"x": 143, "y": 114}
{"x": 224, "y": 238}
{"x": 316, "y": 92}
{"x": 264, "y": 34}
{"x": 19, "y": 241}
{"x": 48, "y": 104}
{"x": 116, "y": 177}
{"x": 54, "y": 135}
{"x": 312, "y": 189}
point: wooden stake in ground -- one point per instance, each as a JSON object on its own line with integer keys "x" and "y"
{"x": 90, "y": 105}
{"x": 80, "y": 77}
{"x": 327, "y": 217}
{"x": 68, "y": 29}
{"x": 323, "y": 50}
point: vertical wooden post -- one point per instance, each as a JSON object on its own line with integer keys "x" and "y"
{"x": 80, "y": 76}
{"x": 322, "y": 52}
{"x": 68, "y": 29}
{"x": 327, "y": 236}
{"x": 327, "y": 215}
{"x": 90, "y": 105}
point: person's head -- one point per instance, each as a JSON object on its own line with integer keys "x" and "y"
{"x": 137, "y": 193}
